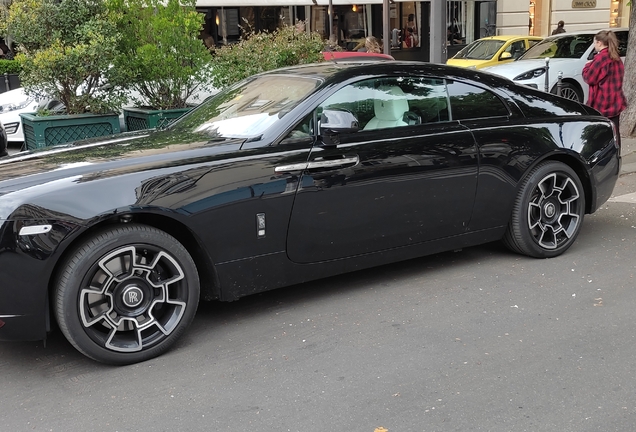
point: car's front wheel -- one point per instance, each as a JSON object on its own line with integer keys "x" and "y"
{"x": 548, "y": 211}
{"x": 127, "y": 294}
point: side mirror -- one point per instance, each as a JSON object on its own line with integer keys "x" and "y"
{"x": 333, "y": 122}
{"x": 505, "y": 56}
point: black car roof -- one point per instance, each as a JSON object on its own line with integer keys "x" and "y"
{"x": 343, "y": 70}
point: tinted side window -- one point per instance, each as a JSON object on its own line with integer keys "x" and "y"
{"x": 427, "y": 99}
{"x": 392, "y": 102}
{"x": 471, "y": 102}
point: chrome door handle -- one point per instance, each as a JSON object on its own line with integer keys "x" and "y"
{"x": 291, "y": 167}
{"x": 329, "y": 163}
{"x": 333, "y": 163}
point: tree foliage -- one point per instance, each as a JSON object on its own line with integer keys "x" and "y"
{"x": 66, "y": 51}
{"x": 160, "y": 54}
{"x": 259, "y": 52}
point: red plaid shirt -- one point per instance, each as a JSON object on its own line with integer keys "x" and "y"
{"x": 605, "y": 78}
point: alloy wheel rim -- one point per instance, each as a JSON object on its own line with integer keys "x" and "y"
{"x": 133, "y": 298}
{"x": 553, "y": 211}
{"x": 570, "y": 93}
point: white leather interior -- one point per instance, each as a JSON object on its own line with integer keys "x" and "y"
{"x": 389, "y": 109}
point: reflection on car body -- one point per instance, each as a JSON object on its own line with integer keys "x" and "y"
{"x": 286, "y": 177}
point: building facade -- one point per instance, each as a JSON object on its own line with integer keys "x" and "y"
{"x": 540, "y": 17}
{"x": 226, "y": 20}
{"x": 348, "y": 22}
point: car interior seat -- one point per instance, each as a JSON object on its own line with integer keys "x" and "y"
{"x": 389, "y": 109}
{"x": 579, "y": 49}
{"x": 516, "y": 51}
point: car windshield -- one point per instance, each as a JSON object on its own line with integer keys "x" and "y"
{"x": 248, "y": 109}
{"x": 570, "y": 46}
{"x": 480, "y": 50}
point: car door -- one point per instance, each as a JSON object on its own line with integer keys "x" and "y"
{"x": 407, "y": 176}
{"x": 503, "y": 147}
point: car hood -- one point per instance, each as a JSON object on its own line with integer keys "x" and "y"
{"x": 516, "y": 68}
{"x": 13, "y": 96}
{"x": 465, "y": 62}
{"x": 109, "y": 156}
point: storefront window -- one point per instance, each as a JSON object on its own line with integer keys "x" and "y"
{"x": 248, "y": 20}
{"x": 227, "y": 24}
{"x": 619, "y": 13}
{"x": 269, "y": 18}
{"x": 411, "y": 37}
{"x": 350, "y": 25}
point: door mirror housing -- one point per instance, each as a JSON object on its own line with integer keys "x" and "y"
{"x": 333, "y": 122}
{"x": 338, "y": 121}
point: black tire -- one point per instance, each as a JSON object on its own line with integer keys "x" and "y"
{"x": 548, "y": 211}
{"x": 126, "y": 295}
{"x": 570, "y": 91}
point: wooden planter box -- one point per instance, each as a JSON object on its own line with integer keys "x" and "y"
{"x": 142, "y": 118}
{"x": 45, "y": 131}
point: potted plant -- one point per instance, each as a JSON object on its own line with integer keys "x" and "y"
{"x": 162, "y": 58}
{"x": 66, "y": 49}
{"x": 9, "y": 75}
{"x": 259, "y": 52}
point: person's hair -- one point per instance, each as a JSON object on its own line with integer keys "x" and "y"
{"x": 608, "y": 38}
{"x": 561, "y": 24}
{"x": 411, "y": 17}
{"x": 372, "y": 45}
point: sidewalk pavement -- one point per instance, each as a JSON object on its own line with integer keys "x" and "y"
{"x": 628, "y": 153}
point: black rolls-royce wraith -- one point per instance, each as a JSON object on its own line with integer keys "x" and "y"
{"x": 289, "y": 176}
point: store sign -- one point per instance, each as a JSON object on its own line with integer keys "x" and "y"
{"x": 583, "y": 4}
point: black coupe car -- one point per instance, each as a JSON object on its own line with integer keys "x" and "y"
{"x": 289, "y": 176}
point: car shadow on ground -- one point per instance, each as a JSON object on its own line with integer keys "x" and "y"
{"x": 56, "y": 351}
{"x": 211, "y": 314}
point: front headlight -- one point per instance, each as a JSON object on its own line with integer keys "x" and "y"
{"x": 12, "y": 106}
{"x": 536, "y": 73}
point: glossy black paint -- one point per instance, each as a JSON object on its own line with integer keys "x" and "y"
{"x": 412, "y": 191}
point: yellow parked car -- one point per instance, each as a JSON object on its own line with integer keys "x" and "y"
{"x": 492, "y": 51}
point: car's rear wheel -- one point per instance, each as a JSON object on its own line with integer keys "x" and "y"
{"x": 548, "y": 212}
{"x": 127, "y": 294}
{"x": 570, "y": 91}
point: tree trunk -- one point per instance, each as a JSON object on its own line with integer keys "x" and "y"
{"x": 628, "y": 118}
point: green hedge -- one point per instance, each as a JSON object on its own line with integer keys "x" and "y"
{"x": 9, "y": 66}
{"x": 260, "y": 52}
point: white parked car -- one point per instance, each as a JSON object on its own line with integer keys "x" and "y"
{"x": 12, "y": 103}
{"x": 567, "y": 53}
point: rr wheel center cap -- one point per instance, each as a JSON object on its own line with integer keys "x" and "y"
{"x": 132, "y": 296}
{"x": 549, "y": 210}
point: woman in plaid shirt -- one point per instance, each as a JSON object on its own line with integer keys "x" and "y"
{"x": 604, "y": 75}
